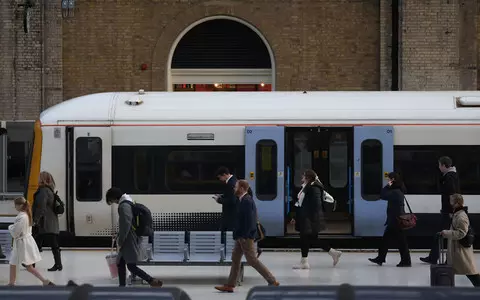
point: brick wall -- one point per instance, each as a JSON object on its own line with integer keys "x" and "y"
{"x": 318, "y": 44}
{"x": 21, "y": 60}
{"x": 439, "y": 46}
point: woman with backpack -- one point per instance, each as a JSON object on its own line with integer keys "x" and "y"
{"x": 460, "y": 242}
{"x": 45, "y": 219}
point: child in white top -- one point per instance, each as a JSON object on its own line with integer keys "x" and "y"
{"x": 25, "y": 250}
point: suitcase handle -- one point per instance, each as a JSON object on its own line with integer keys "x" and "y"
{"x": 442, "y": 255}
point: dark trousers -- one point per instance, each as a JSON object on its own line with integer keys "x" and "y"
{"x": 445, "y": 222}
{"x": 474, "y": 279}
{"x": 122, "y": 272}
{"x": 306, "y": 241}
{"x": 50, "y": 239}
{"x": 394, "y": 233}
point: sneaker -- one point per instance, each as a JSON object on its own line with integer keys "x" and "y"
{"x": 335, "y": 254}
{"x": 303, "y": 264}
{"x": 225, "y": 288}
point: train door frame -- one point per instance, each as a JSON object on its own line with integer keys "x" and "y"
{"x": 89, "y": 217}
{"x": 270, "y": 209}
{"x": 319, "y": 142}
{"x": 369, "y": 209}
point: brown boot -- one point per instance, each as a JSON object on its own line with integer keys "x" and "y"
{"x": 275, "y": 283}
{"x": 156, "y": 283}
{"x": 225, "y": 288}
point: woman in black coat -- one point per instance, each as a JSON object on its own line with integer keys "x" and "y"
{"x": 394, "y": 193}
{"x": 309, "y": 219}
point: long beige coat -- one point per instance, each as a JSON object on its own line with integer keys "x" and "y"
{"x": 461, "y": 258}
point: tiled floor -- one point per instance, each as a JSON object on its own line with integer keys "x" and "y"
{"x": 198, "y": 282}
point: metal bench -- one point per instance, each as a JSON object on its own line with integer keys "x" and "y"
{"x": 204, "y": 248}
{"x": 169, "y": 246}
{"x": 103, "y": 293}
{"x": 6, "y": 244}
{"x": 346, "y": 292}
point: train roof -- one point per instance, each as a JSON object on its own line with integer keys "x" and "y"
{"x": 210, "y": 108}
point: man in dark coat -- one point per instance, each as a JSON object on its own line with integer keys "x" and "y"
{"x": 227, "y": 199}
{"x": 449, "y": 185}
{"x": 244, "y": 235}
{"x": 128, "y": 243}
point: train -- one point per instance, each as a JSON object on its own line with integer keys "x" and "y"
{"x": 163, "y": 149}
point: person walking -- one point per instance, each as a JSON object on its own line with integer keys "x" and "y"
{"x": 244, "y": 234}
{"x": 449, "y": 185}
{"x": 309, "y": 219}
{"x": 128, "y": 243}
{"x": 394, "y": 193}
{"x": 461, "y": 258}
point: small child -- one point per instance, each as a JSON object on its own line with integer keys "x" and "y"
{"x": 25, "y": 250}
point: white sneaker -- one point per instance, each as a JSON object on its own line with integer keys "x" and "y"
{"x": 303, "y": 264}
{"x": 335, "y": 254}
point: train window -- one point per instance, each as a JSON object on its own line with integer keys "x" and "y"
{"x": 185, "y": 170}
{"x": 194, "y": 171}
{"x": 372, "y": 169}
{"x": 338, "y": 160}
{"x": 418, "y": 166}
{"x": 142, "y": 170}
{"x": 266, "y": 169}
{"x": 88, "y": 168}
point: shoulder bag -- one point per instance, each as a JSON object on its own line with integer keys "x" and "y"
{"x": 407, "y": 220}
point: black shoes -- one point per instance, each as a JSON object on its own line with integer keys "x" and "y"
{"x": 55, "y": 268}
{"x": 427, "y": 260}
{"x": 377, "y": 261}
{"x": 404, "y": 265}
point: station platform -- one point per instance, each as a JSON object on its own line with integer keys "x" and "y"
{"x": 89, "y": 266}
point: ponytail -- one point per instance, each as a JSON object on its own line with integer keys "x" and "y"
{"x": 25, "y": 207}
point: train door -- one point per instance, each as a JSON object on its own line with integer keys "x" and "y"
{"x": 91, "y": 179}
{"x": 264, "y": 170}
{"x": 329, "y": 152}
{"x": 373, "y": 160}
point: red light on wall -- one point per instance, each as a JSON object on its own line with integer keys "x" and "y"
{"x": 143, "y": 67}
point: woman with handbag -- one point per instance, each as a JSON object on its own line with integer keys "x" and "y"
{"x": 394, "y": 193}
{"x": 309, "y": 219}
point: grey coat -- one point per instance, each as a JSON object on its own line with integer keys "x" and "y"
{"x": 43, "y": 215}
{"x": 128, "y": 243}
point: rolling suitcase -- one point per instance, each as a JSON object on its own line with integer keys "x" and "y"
{"x": 442, "y": 274}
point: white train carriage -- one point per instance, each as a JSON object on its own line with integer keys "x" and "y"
{"x": 163, "y": 148}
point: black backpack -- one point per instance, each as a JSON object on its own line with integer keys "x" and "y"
{"x": 58, "y": 205}
{"x": 142, "y": 219}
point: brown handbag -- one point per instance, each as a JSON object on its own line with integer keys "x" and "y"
{"x": 407, "y": 220}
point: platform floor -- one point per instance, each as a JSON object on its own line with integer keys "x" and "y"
{"x": 354, "y": 268}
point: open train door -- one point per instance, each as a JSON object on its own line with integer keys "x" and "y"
{"x": 373, "y": 160}
{"x": 92, "y": 158}
{"x": 264, "y": 169}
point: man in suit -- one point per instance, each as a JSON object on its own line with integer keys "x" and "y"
{"x": 227, "y": 199}
{"x": 244, "y": 235}
{"x": 449, "y": 185}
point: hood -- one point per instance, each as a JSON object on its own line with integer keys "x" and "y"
{"x": 464, "y": 208}
{"x": 451, "y": 169}
{"x": 125, "y": 197}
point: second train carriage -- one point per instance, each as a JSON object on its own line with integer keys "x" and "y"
{"x": 163, "y": 148}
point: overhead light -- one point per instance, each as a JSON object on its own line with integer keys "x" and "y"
{"x": 216, "y": 85}
{"x": 262, "y": 84}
